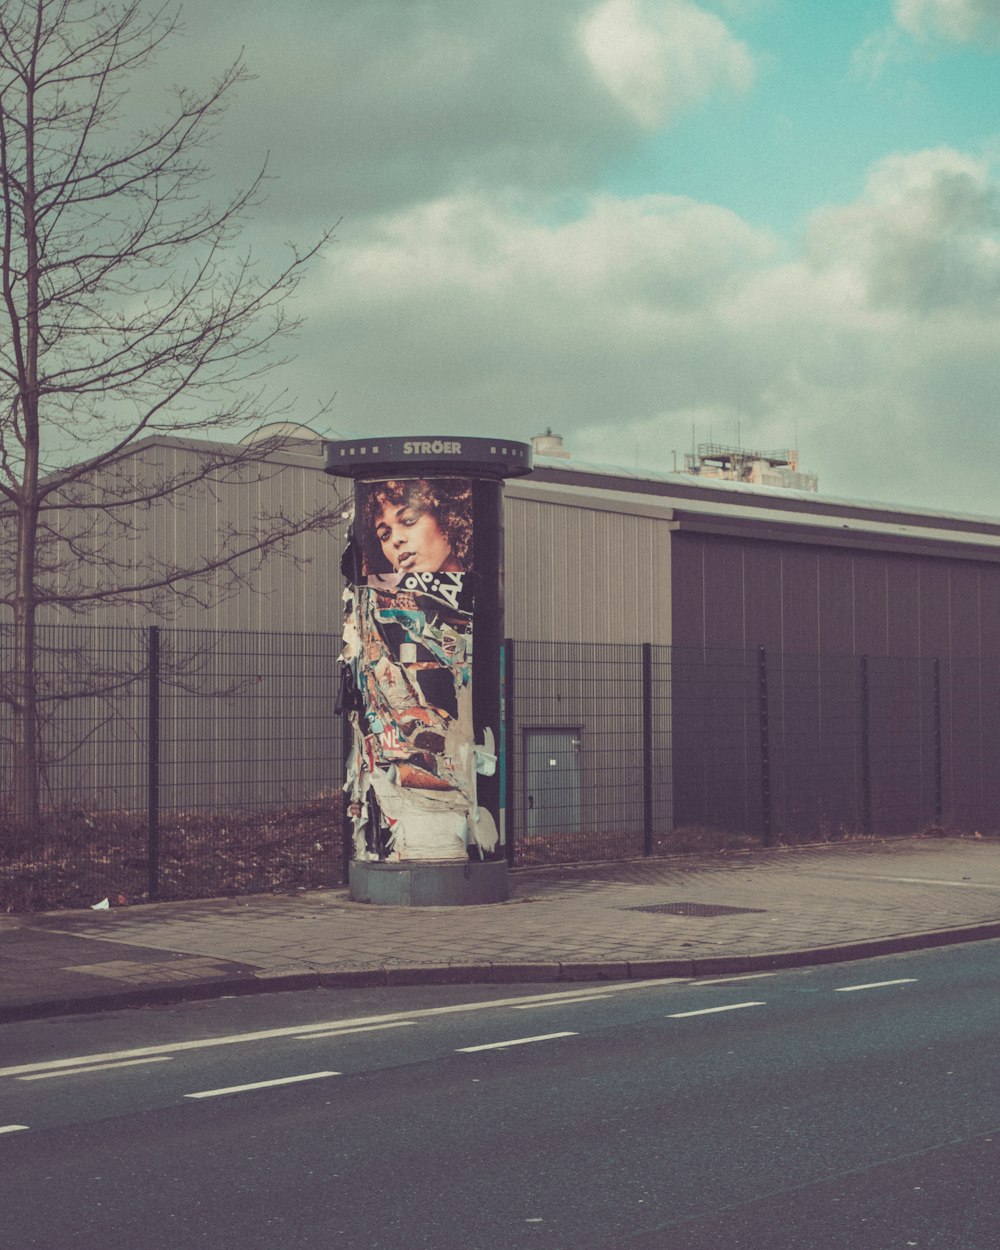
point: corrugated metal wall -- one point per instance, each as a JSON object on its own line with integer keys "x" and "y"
{"x": 296, "y": 588}
{"x": 585, "y": 567}
{"x": 733, "y": 592}
{"x": 830, "y": 608}
{"x": 583, "y": 572}
{"x": 243, "y": 719}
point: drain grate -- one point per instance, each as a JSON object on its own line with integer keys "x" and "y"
{"x": 695, "y": 909}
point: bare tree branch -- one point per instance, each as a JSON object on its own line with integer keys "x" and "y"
{"x": 124, "y": 313}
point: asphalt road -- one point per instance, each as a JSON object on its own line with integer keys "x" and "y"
{"x": 855, "y": 1106}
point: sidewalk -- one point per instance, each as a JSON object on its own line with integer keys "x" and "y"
{"x": 679, "y": 917}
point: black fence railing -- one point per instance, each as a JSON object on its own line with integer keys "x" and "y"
{"x": 174, "y": 764}
{"x": 184, "y": 763}
{"x": 641, "y": 749}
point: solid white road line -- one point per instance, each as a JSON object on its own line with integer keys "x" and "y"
{"x": 873, "y": 985}
{"x": 711, "y": 1011}
{"x": 516, "y": 1041}
{"x": 299, "y": 1030}
{"x": 281, "y": 1080}
{"x": 364, "y": 1028}
{"x": 13, "y": 1128}
{"x": 95, "y": 1067}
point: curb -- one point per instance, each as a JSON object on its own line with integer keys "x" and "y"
{"x": 497, "y": 974}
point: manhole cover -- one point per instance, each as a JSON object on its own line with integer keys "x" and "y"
{"x": 695, "y": 909}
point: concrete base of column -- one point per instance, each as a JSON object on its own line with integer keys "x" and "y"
{"x": 429, "y": 883}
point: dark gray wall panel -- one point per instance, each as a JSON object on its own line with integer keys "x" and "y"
{"x": 761, "y": 573}
{"x": 835, "y": 597}
{"x": 903, "y": 605}
{"x": 870, "y": 603}
{"x": 687, "y": 597}
{"x": 963, "y": 592}
{"x": 800, "y": 599}
{"x": 818, "y": 610}
{"x": 989, "y": 609}
{"x": 724, "y": 592}
{"x": 935, "y": 608}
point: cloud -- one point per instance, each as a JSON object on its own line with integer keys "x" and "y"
{"x": 886, "y": 46}
{"x": 368, "y": 105}
{"x": 667, "y": 250}
{"x": 874, "y": 348}
{"x": 925, "y": 234}
{"x": 659, "y": 57}
{"x": 464, "y": 314}
{"x": 481, "y": 282}
{"x": 958, "y": 21}
{"x": 479, "y": 314}
{"x": 928, "y": 22}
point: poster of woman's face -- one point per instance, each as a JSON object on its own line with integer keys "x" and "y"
{"x": 416, "y": 525}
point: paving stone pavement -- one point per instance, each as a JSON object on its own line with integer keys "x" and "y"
{"x": 687, "y": 915}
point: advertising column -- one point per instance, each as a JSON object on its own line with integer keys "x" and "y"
{"x": 423, "y": 629}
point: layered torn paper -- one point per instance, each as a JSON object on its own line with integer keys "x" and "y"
{"x": 408, "y": 630}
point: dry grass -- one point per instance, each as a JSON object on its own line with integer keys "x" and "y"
{"x": 569, "y": 848}
{"x": 79, "y": 858}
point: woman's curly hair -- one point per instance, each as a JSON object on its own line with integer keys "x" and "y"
{"x": 448, "y": 500}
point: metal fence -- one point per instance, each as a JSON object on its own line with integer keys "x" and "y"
{"x": 179, "y": 763}
{"x": 631, "y": 750}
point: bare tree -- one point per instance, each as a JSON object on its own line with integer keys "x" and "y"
{"x": 125, "y": 312}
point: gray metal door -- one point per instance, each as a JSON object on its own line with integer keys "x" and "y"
{"x": 552, "y": 780}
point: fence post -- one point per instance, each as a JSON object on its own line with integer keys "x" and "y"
{"x": 647, "y": 748}
{"x": 938, "y": 769}
{"x": 507, "y": 745}
{"x": 153, "y": 760}
{"x": 765, "y": 747}
{"x": 866, "y": 776}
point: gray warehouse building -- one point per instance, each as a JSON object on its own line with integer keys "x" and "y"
{"x": 686, "y": 655}
{"x": 817, "y": 667}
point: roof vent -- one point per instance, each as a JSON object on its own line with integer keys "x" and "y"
{"x": 549, "y": 444}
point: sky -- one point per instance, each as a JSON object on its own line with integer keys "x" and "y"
{"x": 643, "y": 224}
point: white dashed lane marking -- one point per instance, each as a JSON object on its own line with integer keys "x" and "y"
{"x": 561, "y": 1002}
{"x": 746, "y": 976}
{"x": 331, "y": 1027}
{"x": 242, "y": 1089}
{"x": 711, "y": 1011}
{"x": 516, "y": 1041}
{"x": 873, "y": 985}
{"x": 364, "y": 1028}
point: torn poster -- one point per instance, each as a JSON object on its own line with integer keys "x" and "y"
{"x": 411, "y": 776}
